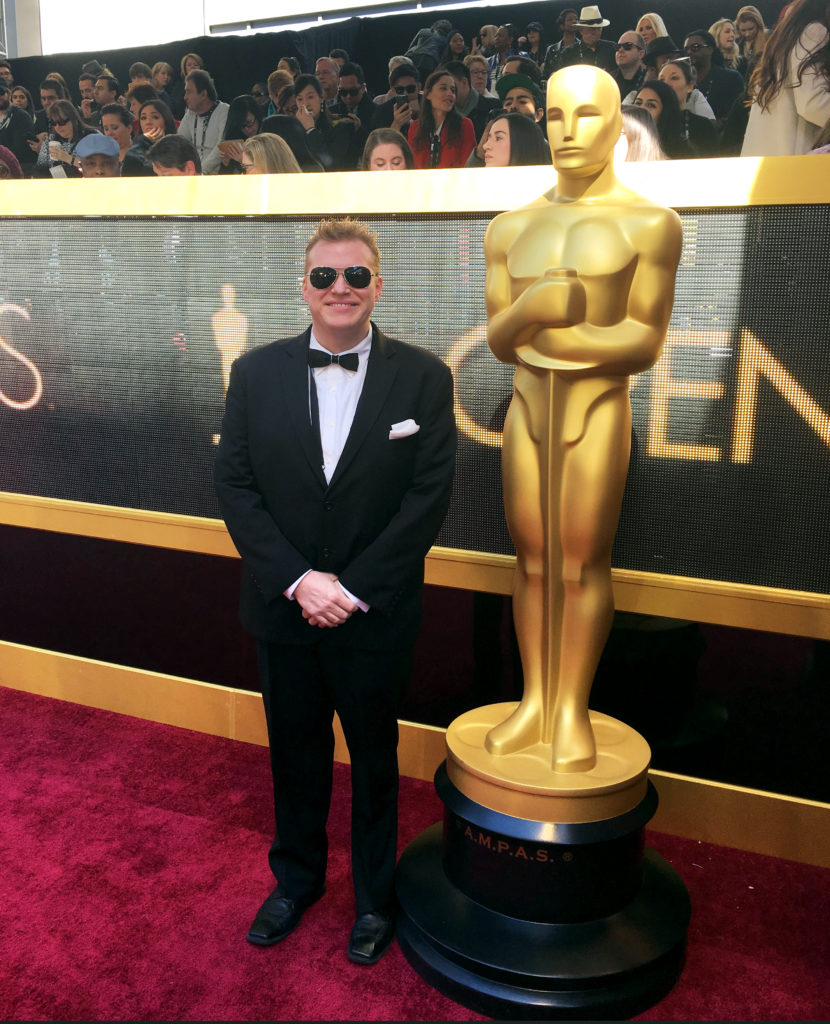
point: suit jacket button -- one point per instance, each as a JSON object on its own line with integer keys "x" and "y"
{"x": 326, "y": 553}
{"x": 328, "y": 506}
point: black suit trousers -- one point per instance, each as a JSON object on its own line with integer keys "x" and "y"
{"x": 302, "y": 686}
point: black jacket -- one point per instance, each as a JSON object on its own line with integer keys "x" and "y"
{"x": 372, "y": 525}
{"x": 16, "y": 128}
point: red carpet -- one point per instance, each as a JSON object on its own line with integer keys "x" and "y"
{"x": 134, "y": 857}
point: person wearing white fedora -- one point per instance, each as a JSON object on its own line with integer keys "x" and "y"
{"x": 591, "y": 49}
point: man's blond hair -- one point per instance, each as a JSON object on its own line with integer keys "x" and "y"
{"x": 345, "y": 229}
{"x": 277, "y": 81}
{"x": 476, "y": 58}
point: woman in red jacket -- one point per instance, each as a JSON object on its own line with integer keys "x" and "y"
{"x": 441, "y": 137}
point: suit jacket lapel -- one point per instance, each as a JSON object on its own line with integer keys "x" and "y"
{"x": 295, "y": 384}
{"x": 380, "y": 373}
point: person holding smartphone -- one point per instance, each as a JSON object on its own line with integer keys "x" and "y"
{"x": 405, "y": 103}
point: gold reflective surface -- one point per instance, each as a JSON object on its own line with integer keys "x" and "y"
{"x": 579, "y": 293}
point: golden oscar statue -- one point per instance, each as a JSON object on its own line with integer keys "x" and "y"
{"x": 579, "y": 292}
{"x": 549, "y": 904}
{"x": 230, "y": 331}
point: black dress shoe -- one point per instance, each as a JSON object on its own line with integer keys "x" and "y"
{"x": 370, "y": 937}
{"x": 278, "y": 917}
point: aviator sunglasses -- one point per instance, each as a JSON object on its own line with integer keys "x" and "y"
{"x": 355, "y": 277}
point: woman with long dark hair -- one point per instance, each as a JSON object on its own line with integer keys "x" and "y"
{"x": 699, "y": 132}
{"x": 245, "y": 117}
{"x": 441, "y": 137}
{"x": 21, "y": 97}
{"x": 790, "y": 86}
{"x": 514, "y": 141}
{"x": 117, "y": 122}
{"x": 535, "y": 45}
{"x": 57, "y": 151}
{"x": 456, "y": 48}
{"x": 660, "y": 100}
{"x": 155, "y": 120}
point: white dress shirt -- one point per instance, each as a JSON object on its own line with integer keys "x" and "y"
{"x": 205, "y": 130}
{"x": 338, "y": 392}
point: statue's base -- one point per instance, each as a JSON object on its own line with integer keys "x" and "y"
{"x": 544, "y": 917}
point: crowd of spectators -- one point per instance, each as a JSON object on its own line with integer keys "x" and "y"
{"x": 738, "y": 87}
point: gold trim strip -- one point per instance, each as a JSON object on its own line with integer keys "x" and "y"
{"x": 745, "y": 819}
{"x": 109, "y": 522}
{"x": 732, "y": 604}
{"x": 686, "y": 184}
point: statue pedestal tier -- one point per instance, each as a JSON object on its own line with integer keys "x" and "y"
{"x": 536, "y": 898}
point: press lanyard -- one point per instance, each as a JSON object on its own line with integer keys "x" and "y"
{"x": 205, "y": 118}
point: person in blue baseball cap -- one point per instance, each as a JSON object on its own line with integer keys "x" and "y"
{"x": 99, "y": 156}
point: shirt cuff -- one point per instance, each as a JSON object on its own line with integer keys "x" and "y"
{"x": 289, "y": 592}
{"x": 360, "y": 604}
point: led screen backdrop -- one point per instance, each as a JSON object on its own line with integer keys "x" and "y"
{"x": 116, "y": 335}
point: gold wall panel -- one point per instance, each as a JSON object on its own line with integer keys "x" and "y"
{"x": 733, "y": 816}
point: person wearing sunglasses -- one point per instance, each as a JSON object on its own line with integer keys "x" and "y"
{"x": 404, "y": 103}
{"x": 259, "y": 91}
{"x": 355, "y": 109}
{"x": 353, "y": 99}
{"x": 57, "y": 158}
{"x": 333, "y": 473}
{"x": 630, "y": 72}
{"x": 720, "y": 86}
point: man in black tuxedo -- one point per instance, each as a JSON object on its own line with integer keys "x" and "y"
{"x": 334, "y": 473}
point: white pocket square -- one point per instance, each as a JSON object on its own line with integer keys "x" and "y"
{"x": 403, "y": 429}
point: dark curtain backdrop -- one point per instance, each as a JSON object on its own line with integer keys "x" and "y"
{"x": 236, "y": 62}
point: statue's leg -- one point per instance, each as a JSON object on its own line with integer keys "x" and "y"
{"x": 522, "y": 504}
{"x": 593, "y": 479}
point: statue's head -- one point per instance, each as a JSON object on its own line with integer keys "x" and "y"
{"x": 583, "y": 118}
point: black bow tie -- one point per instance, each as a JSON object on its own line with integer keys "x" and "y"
{"x": 351, "y": 361}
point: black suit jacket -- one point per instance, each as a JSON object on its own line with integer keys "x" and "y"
{"x": 372, "y": 525}
{"x": 602, "y": 57}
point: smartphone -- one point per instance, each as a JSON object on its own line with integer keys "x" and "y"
{"x": 401, "y": 101}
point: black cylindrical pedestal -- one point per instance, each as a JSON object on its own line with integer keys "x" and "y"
{"x": 521, "y": 919}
